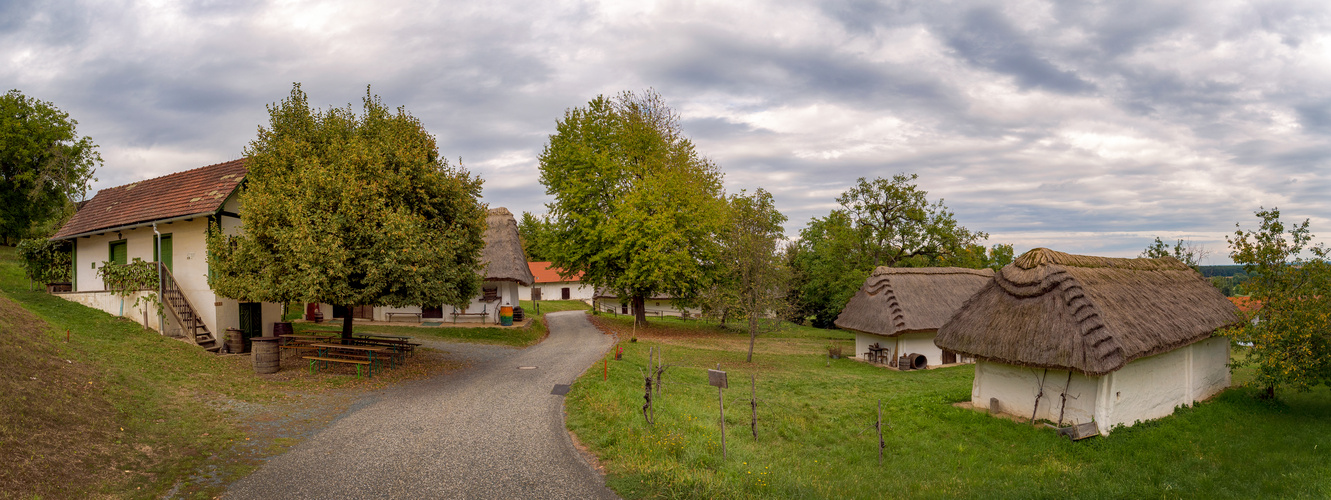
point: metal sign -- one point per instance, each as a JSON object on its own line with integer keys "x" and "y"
{"x": 717, "y": 378}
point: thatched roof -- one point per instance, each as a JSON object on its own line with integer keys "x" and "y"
{"x": 503, "y": 258}
{"x": 897, "y": 300}
{"x": 1090, "y": 314}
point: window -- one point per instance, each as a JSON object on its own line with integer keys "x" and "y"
{"x": 490, "y": 293}
{"x": 119, "y": 253}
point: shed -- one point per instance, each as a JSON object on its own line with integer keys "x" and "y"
{"x": 901, "y": 309}
{"x": 1109, "y": 340}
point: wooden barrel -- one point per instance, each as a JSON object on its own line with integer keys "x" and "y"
{"x": 235, "y": 341}
{"x": 280, "y": 329}
{"x": 267, "y": 356}
{"x": 518, "y": 313}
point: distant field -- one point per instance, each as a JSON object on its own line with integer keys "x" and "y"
{"x": 816, "y": 439}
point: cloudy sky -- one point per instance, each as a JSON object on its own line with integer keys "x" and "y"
{"x": 1085, "y": 127}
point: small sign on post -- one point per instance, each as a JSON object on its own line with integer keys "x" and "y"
{"x": 717, "y": 379}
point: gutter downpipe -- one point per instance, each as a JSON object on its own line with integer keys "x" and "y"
{"x": 161, "y": 327}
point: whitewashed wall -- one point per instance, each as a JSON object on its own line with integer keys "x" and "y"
{"x": 1145, "y": 389}
{"x": 552, "y": 291}
{"x": 917, "y": 342}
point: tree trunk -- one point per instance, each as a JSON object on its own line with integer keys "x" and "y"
{"x": 346, "y": 324}
{"x": 639, "y": 310}
{"x": 753, "y": 334}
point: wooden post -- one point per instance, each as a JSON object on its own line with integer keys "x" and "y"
{"x": 721, "y": 396}
{"x": 880, "y": 432}
{"x": 607, "y": 369}
{"x": 753, "y": 403}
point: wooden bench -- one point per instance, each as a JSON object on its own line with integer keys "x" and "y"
{"x": 298, "y": 348}
{"x": 314, "y": 360}
{"x": 481, "y": 315}
{"x": 390, "y": 315}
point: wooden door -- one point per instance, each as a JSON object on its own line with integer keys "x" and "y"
{"x": 536, "y": 293}
{"x": 251, "y": 319}
{"x": 432, "y": 312}
{"x": 165, "y": 249}
{"x": 949, "y": 357}
{"x": 364, "y": 312}
{"x": 563, "y": 293}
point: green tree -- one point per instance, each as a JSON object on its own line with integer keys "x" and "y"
{"x": 636, "y": 207}
{"x": 1291, "y": 329}
{"x": 894, "y": 221}
{"x": 350, "y": 210}
{"x": 535, "y": 232}
{"x": 752, "y": 262}
{"x": 44, "y": 167}
{"x": 883, "y": 222}
{"x": 1184, "y": 251}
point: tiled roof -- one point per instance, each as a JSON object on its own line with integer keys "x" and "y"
{"x": 192, "y": 192}
{"x": 545, "y": 273}
{"x": 1246, "y": 304}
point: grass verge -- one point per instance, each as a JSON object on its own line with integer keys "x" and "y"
{"x": 120, "y": 411}
{"x": 816, "y": 439}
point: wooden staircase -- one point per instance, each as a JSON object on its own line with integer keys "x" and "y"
{"x": 174, "y": 300}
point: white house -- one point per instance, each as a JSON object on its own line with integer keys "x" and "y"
{"x": 661, "y": 304}
{"x": 550, "y": 285}
{"x": 1100, "y": 339}
{"x": 505, "y": 271}
{"x": 165, "y": 220}
{"x": 900, "y": 309}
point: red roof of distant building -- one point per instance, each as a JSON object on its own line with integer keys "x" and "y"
{"x": 1246, "y": 304}
{"x": 545, "y": 273}
{"x": 199, "y": 191}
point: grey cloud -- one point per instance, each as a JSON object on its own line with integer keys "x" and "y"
{"x": 987, "y": 39}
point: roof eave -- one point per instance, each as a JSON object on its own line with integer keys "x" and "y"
{"x": 134, "y": 225}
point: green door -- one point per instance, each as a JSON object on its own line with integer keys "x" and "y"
{"x": 119, "y": 253}
{"x": 165, "y": 256}
{"x": 251, "y": 319}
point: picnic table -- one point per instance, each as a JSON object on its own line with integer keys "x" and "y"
{"x": 337, "y": 353}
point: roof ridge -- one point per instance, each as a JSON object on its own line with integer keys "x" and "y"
{"x": 182, "y": 172}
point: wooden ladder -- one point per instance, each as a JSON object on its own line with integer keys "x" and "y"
{"x": 174, "y": 300}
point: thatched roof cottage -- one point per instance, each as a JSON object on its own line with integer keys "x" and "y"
{"x": 901, "y": 309}
{"x": 1100, "y": 339}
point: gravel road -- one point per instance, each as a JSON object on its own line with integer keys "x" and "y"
{"x": 490, "y": 431}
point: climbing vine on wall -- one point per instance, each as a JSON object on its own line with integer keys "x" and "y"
{"x": 133, "y": 277}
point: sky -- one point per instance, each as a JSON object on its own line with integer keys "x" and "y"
{"x": 1085, "y": 127}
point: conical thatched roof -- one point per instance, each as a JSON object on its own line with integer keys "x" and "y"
{"x": 1090, "y": 314}
{"x": 503, "y": 258}
{"x": 897, "y": 300}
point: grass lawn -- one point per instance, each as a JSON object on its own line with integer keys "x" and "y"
{"x": 816, "y": 437}
{"x": 123, "y": 412}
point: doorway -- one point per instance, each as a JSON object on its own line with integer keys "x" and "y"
{"x": 251, "y": 319}
{"x": 563, "y": 293}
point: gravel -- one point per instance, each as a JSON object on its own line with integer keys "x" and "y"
{"x": 490, "y": 431}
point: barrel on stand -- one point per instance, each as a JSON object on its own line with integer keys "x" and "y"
{"x": 281, "y": 328}
{"x": 518, "y": 314}
{"x": 235, "y": 341}
{"x": 506, "y": 315}
{"x": 267, "y": 356}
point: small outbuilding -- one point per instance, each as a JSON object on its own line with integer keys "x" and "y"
{"x": 901, "y": 308}
{"x": 1082, "y": 339}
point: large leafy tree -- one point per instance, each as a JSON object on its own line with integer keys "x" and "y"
{"x": 636, "y": 208}
{"x": 883, "y": 222}
{"x": 350, "y": 209}
{"x": 1290, "y": 279}
{"x": 44, "y": 166}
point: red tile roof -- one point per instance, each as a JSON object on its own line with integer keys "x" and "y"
{"x": 544, "y": 273}
{"x": 1246, "y": 304}
{"x": 193, "y": 192}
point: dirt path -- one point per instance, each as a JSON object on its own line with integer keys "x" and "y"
{"x": 491, "y": 431}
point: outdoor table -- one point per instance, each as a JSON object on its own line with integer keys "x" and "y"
{"x": 324, "y": 348}
{"x": 876, "y": 352}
